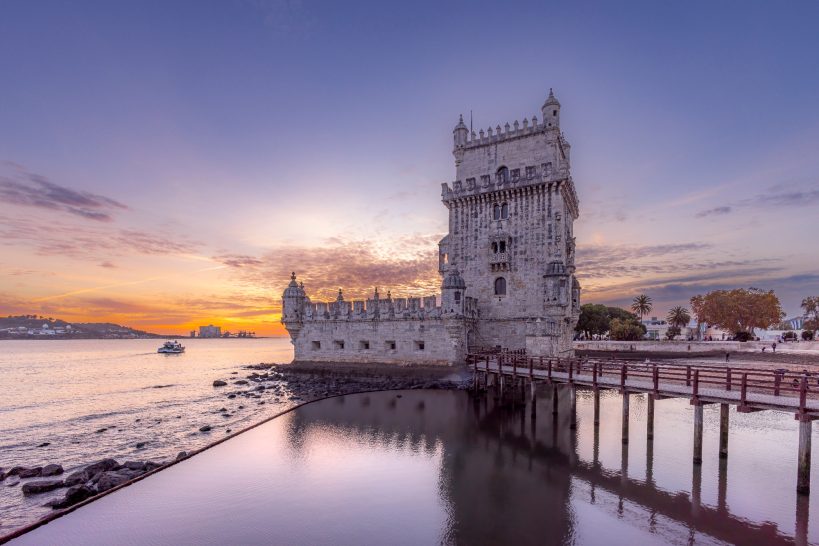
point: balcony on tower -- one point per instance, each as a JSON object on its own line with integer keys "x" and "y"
{"x": 499, "y": 251}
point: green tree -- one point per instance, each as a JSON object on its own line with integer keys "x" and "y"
{"x": 641, "y": 305}
{"x": 594, "y": 320}
{"x": 678, "y": 316}
{"x": 739, "y": 310}
{"x": 626, "y": 330}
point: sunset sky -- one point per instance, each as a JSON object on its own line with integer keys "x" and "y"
{"x": 167, "y": 164}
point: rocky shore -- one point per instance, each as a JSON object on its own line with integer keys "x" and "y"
{"x": 282, "y": 384}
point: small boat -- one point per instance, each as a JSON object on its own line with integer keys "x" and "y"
{"x": 171, "y": 347}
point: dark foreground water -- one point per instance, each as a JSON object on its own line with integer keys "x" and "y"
{"x": 429, "y": 467}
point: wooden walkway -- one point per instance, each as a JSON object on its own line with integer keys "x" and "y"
{"x": 748, "y": 390}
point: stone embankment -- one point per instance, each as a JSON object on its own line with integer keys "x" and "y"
{"x": 280, "y": 383}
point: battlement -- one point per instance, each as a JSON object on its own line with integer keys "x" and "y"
{"x": 428, "y": 307}
{"x": 505, "y": 133}
{"x": 516, "y": 178}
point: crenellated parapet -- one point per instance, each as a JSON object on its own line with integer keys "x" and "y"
{"x": 300, "y": 309}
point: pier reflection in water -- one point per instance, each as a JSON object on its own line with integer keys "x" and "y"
{"x": 434, "y": 466}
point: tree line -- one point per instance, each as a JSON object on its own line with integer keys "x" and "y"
{"x": 739, "y": 311}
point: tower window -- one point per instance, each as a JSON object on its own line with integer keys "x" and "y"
{"x": 500, "y": 286}
{"x": 505, "y": 211}
{"x": 554, "y": 113}
{"x": 496, "y": 212}
{"x": 503, "y": 174}
{"x": 502, "y": 246}
{"x": 458, "y": 297}
{"x": 494, "y": 248}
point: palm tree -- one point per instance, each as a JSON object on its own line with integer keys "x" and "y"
{"x": 641, "y": 305}
{"x": 678, "y": 316}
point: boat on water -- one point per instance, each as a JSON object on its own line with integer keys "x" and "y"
{"x": 171, "y": 347}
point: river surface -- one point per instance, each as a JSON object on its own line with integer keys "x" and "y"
{"x": 65, "y": 392}
{"x": 431, "y": 467}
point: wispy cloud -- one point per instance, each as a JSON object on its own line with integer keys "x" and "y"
{"x": 716, "y": 211}
{"x": 91, "y": 242}
{"x": 779, "y": 196}
{"x": 27, "y": 189}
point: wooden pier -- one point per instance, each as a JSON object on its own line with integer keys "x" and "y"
{"x": 749, "y": 390}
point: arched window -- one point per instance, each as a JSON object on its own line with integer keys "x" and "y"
{"x": 505, "y": 211}
{"x": 500, "y": 286}
{"x": 494, "y": 248}
{"x": 503, "y": 175}
{"x": 496, "y": 212}
{"x": 457, "y": 297}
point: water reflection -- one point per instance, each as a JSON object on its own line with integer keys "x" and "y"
{"x": 507, "y": 476}
{"x": 354, "y": 469}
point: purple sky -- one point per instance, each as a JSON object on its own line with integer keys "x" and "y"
{"x": 196, "y": 152}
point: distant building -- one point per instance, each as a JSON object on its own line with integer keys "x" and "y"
{"x": 210, "y": 331}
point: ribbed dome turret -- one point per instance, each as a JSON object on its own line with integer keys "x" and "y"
{"x": 453, "y": 279}
{"x": 293, "y": 289}
{"x": 551, "y": 100}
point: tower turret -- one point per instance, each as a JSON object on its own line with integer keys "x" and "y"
{"x": 551, "y": 111}
{"x": 293, "y": 300}
{"x": 459, "y": 137}
{"x": 453, "y": 290}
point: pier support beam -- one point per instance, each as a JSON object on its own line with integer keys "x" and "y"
{"x": 532, "y": 397}
{"x": 803, "y": 474}
{"x": 723, "y": 431}
{"x": 625, "y": 417}
{"x": 555, "y": 399}
{"x": 596, "y": 407}
{"x": 698, "y": 434}
{"x": 572, "y": 407}
{"x": 650, "y": 418}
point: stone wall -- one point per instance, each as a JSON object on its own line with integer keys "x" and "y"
{"x": 422, "y": 341}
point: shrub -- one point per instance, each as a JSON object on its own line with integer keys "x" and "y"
{"x": 672, "y": 332}
{"x": 742, "y": 336}
{"x": 807, "y": 335}
{"x": 790, "y": 334}
{"x": 626, "y": 330}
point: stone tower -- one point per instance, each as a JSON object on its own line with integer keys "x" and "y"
{"x": 511, "y": 214}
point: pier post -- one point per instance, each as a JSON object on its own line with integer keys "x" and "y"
{"x": 803, "y": 474}
{"x": 650, "y": 418}
{"x": 698, "y": 434}
{"x": 722, "y": 485}
{"x": 625, "y": 417}
{"x": 532, "y": 397}
{"x": 802, "y": 516}
{"x": 554, "y": 399}
{"x": 573, "y": 407}
{"x": 596, "y": 407}
{"x": 723, "y": 430}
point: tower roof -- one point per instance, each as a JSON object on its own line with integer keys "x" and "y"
{"x": 461, "y": 124}
{"x": 551, "y": 100}
{"x": 293, "y": 289}
{"x": 453, "y": 279}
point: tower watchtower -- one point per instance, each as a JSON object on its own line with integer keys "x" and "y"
{"x": 511, "y": 213}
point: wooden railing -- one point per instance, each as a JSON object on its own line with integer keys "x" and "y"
{"x": 776, "y": 383}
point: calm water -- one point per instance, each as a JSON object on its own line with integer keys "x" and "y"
{"x": 63, "y": 392}
{"x": 434, "y": 467}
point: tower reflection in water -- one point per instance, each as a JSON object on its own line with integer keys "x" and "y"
{"x": 518, "y": 474}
